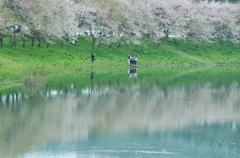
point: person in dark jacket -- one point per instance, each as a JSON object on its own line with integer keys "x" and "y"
{"x": 93, "y": 58}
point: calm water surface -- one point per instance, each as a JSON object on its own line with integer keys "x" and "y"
{"x": 171, "y": 113}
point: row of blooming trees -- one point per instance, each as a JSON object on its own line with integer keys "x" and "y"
{"x": 110, "y": 21}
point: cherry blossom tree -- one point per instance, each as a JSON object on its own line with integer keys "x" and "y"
{"x": 197, "y": 25}
{"x": 145, "y": 26}
{"x": 45, "y": 18}
{"x": 8, "y": 22}
{"x": 112, "y": 21}
{"x": 225, "y": 27}
{"x": 166, "y": 16}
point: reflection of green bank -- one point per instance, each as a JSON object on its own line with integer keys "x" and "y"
{"x": 162, "y": 76}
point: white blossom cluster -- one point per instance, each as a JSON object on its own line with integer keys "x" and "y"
{"x": 111, "y": 21}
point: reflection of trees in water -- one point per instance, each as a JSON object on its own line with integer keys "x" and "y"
{"x": 95, "y": 85}
{"x": 61, "y": 116}
{"x": 11, "y": 99}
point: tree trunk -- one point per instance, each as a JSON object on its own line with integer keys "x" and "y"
{"x": 62, "y": 44}
{"x": 39, "y": 42}
{"x": 33, "y": 40}
{"x": 158, "y": 45}
{"x": 93, "y": 42}
{"x": 13, "y": 44}
{"x": 233, "y": 46}
{"x": 120, "y": 42}
{"x": 187, "y": 44}
{"x": 23, "y": 42}
{"x": 221, "y": 43}
{"x": 99, "y": 44}
{"x": 1, "y": 42}
{"x": 48, "y": 45}
{"x": 166, "y": 32}
{"x": 110, "y": 46}
{"x": 197, "y": 46}
{"x": 10, "y": 39}
{"x": 15, "y": 40}
{"x": 142, "y": 46}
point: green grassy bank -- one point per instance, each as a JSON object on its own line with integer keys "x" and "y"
{"x": 16, "y": 62}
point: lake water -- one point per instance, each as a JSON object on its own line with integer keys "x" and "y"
{"x": 168, "y": 112}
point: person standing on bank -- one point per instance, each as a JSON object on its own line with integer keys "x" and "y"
{"x": 129, "y": 56}
{"x": 93, "y": 58}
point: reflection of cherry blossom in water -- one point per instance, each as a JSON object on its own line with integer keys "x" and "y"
{"x": 69, "y": 117}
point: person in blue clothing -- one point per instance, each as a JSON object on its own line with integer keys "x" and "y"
{"x": 135, "y": 60}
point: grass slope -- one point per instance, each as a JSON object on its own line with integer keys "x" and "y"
{"x": 16, "y": 62}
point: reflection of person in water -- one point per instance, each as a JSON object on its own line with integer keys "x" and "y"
{"x": 132, "y": 73}
{"x": 92, "y": 77}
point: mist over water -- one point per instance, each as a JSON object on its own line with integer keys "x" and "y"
{"x": 120, "y": 116}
